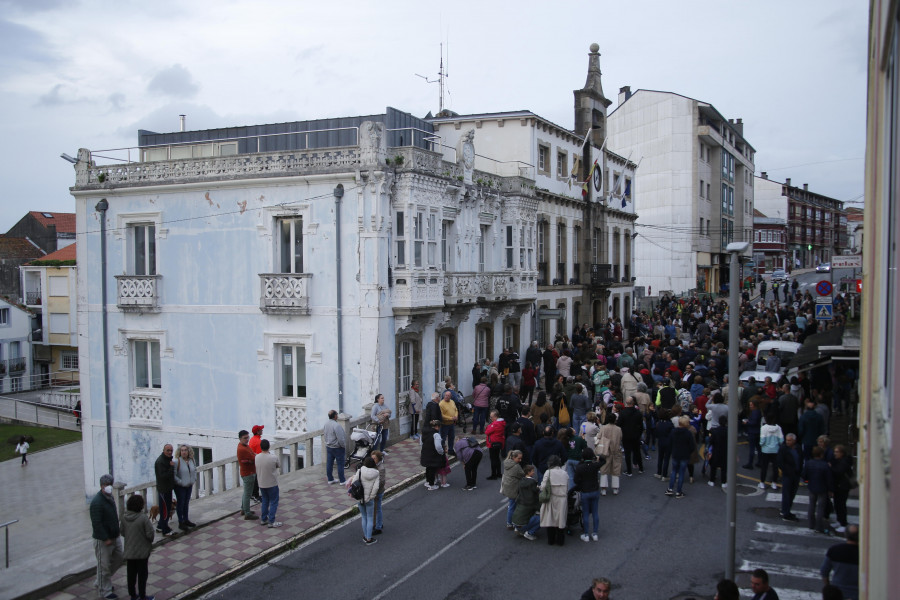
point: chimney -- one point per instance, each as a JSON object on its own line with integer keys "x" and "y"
{"x": 181, "y": 121}
{"x": 787, "y": 182}
{"x": 805, "y": 187}
{"x": 739, "y": 125}
{"x": 764, "y": 175}
{"x": 624, "y": 93}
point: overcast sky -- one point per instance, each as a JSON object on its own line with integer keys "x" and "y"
{"x": 90, "y": 74}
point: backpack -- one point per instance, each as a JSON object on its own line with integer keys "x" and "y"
{"x": 503, "y": 405}
{"x": 356, "y": 489}
{"x": 473, "y": 443}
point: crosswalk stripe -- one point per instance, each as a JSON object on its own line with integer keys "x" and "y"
{"x": 783, "y": 570}
{"x": 784, "y": 594}
{"x": 776, "y": 497}
{"x": 788, "y": 530}
{"x": 778, "y": 547}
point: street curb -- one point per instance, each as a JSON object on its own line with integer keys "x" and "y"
{"x": 290, "y": 544}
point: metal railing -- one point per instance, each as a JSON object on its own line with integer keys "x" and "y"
{"x": 5, "y": 527}
{"x": 60, "y": 417}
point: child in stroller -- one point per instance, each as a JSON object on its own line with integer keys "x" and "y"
{"x": 364, "y": 441}
{"x": 573, "y": 511}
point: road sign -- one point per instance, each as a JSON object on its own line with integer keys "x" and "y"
{"x": 859, "y": 286}
{"x": 824, "y": 300}
{"x": 824, "y": 312}
{"x": 846, "y": 262}
{"x": 823, "y": 288}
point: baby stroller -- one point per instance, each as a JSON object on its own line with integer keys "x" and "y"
{"x": 364, "y": 441}
{"x": 573, "y": 511}
{"x": 463, "y": 410}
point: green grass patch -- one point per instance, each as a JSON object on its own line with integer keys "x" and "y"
{"x": 44, "y": 437}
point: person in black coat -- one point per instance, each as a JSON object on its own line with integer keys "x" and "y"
{"x": 631, "y": 421}
{"x": 790, "y": 461}
{"x": 432, "y": 412}
{"x": 433, "y": 456}
{"x": 529, "y": 432}
{"x": 544, "y": 448}
{"x": 515, "y": 442}
{"x": 663, "y": 430}
{"x": 842, "y": 471}
{"x": 718, "y": 455}
{"x": 549, "y": 367}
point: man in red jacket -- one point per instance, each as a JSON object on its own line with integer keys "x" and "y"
{"x": 247, "y": 463}
{"x": 495, "y": 436}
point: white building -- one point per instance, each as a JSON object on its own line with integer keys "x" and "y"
{"x": 15, "y": 347}
{"x": 267, "y": 274}
{"x": 695, "y": 187}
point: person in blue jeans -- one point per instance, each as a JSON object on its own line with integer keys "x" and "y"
{"x": 267, "y": 475}
{"x": 381, "y": 417}
{"x": 335, "y": 447}
{"x": 683, "y": 445}
{"x": 378, "y": 457}
{"x": 587, "y": 479}
{"x": 368, "y": 474}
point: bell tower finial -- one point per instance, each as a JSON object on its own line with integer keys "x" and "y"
{"x": 590, "y": 102}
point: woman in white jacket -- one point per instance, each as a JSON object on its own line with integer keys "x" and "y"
{"x": 368, "y": 473}
{"x": 553, "y": 513}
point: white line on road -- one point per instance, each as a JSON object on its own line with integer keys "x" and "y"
{"x": 777, "y": 547}
{"x": 788, "y": 530}
{"x": 484, "y": 514}
{"x": 776, "y": 497}
{"x": 784, "y": 594}
{"x": 403, "y": 579}
{"x": 786, "y": 570}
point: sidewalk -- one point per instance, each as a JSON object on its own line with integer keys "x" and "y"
{"x": 225, "y": 545}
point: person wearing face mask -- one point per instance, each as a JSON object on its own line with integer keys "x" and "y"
{"x": 107, "y": 543}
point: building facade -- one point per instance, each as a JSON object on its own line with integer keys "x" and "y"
{"x": 51, "y": 295}
{"x": 16, "y": 324}
{"x": 696, "y": 187}
{"x": 879, "y": 383}
{"x": 769, "y": 243}
{"x": 816, "y": 224}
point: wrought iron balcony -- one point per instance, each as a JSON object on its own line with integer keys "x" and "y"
{"x": 33, "y": 298}
{"x": 138, "y": 292}
{"x": 15, "y": 365}
{"x": 284, "y": 293}
{"x": 601, "y": 275}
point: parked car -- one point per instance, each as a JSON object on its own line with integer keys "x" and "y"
{"x": 824, "y": 268}
{"x": 779, "y": 275}
{"x": 760, "y": 377}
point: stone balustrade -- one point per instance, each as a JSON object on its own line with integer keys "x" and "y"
{"x": 145, "y": 408}
{"x": 412, "y": 290}
{"x": 222, "y": 475}
{"x": 137, "y": 292}
{"x": 284, "y": 293}
{"x": 461, "y": 288}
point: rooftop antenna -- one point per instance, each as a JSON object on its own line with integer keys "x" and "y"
{"x": 440, "y": 80}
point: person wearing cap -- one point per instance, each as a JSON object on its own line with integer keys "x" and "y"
{"x": 107, "y": 544}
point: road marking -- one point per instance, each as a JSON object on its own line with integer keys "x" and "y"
{"x": 774, "y": 497}
{"x": 774, "y": 569}
{"x": 778, "y": 547}
{"x": 784, "y": 594}
{"x": 403, "y": 579}
{"x": 484, "y": 514}
{"x": 789, "y": 530}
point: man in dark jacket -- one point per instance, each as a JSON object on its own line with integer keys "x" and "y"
{"x": 788, "y": 405}
{"x": 550, "y": 358}
{"x": 529, "y": 433}
{"x": 631, "y": 421}
{"x": 811, "y": 426}
{"x": 544, "y": 448}
{"x": 667, "y": 396}
{"x": 600, "y": 589}
{"x": 431, "y": 413}
{"x": 515, "y": 442}
{"x": 165, "y": 485}
{"x": 533, "y": 355}
{"x": 820, "y": 484}
{"x": 107, "y": 543}
{"x": 791, "y": 464}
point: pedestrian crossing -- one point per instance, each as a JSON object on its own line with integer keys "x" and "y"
{"x": 791, "y": 553}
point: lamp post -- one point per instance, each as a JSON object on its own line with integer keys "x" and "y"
{"x": 101, "y": 208}
{"x": 734, "y": 249}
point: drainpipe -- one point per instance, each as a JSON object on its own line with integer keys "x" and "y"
{"x": 101, "y": 207}
{"x": 338, "y": 194}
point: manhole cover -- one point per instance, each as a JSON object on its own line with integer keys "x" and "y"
{"x": 769, "y": 512}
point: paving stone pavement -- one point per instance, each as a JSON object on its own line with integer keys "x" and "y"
{"x": 184, "y": 565}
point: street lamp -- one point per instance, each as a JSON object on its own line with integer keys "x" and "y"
{"x": 734, "y": 249}
{"x": 101, "y": 208}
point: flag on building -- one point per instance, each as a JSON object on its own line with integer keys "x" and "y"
{"x": 591, "y": 177}
{"x": 627, "y": 195}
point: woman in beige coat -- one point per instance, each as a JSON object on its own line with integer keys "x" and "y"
{"x": 610, "y": 440}
{"x": 553, "y": 513}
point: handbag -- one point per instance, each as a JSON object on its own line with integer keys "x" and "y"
{"x": 356, "y": 489}
{"x": 601, "y": 447}
{"x": 564, "y": 418}
{"x": 545, "y": 494}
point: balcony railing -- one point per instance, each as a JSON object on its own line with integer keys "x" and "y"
{"x": 284, "y": 293}
{"x": 411, "y": 290}
{"x": 33, "y": 298}
{"x": 601, "y": 274}
{"x": 460, "y": 288}
{"x": 543, "y": 273}
{"x": 145, "y": 408}
{"x": 138, "y": 292}
{"x": 15, "y": 365}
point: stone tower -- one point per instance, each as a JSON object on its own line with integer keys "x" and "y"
{"x": 590, "y": 103}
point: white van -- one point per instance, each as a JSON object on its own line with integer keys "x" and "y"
{"x": 784, "y": 350}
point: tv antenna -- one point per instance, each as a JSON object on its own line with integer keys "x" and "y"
{"x": 440, "y": 80}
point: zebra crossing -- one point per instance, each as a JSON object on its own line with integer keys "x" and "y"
{"x": 791, "y": 553}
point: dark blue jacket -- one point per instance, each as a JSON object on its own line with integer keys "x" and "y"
{"x": 683, "y": 444}
{"x": 543, "y": 449}
{"x": 818, "y": 475}
{"x": 790, "y": 461}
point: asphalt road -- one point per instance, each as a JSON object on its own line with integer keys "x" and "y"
{"x": 808, "y": 281}
{"x": 453, "y": 544}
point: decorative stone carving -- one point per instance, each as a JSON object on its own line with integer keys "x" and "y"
{"x": 137, "y": 292}
{"x": 290, "y": 416}
{"x": 145, "y": 410}
{"x": 372, "y": 144}
{"x": 284, "y": 293}
{"x": 465, "y": 155}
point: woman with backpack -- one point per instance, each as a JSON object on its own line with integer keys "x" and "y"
{"x": 469, "y": 453}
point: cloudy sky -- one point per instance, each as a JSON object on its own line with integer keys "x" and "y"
{"x": 91, "y": 73}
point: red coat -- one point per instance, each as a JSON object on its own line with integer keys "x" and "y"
{"x": 496, "y": 433}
